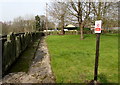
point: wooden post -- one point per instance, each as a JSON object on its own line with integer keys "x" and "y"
{"x": 97, "y": 56}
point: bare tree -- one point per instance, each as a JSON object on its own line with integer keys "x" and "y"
{"x": 105, "y": 11}
{"x": 20, "y": 24}
{"x": 81, "y": 10}
{"x": 58, "y": 10}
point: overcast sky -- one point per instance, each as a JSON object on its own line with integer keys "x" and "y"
{"x": 10, "y": 9}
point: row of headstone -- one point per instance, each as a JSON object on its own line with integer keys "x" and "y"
{"x": 71, "y": 32}
{"x": 59, "y": 32}
{"x": 14, "y": 46}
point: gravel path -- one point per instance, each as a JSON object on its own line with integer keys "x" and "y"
{"x": 39, "y": 72}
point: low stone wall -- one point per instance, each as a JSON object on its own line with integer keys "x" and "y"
{"x": 0, "y": 59}
{"x": 14, "y": 44}
{"x": 40, "y": 70}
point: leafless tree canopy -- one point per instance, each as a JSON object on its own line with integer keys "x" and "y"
{"x": 58, "y": 10}
{"x": 84, "y": 13}
{"x": 80, "y": 13}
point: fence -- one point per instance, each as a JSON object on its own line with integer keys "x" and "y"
{"x": 75, "y": 32}
{"x": 14, "y": 44}
{"x": 70, "y": 32}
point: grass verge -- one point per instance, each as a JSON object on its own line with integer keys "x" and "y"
{"x": 73, "y": 59}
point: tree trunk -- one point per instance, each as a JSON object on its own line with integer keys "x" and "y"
{"x": 81, "y": 31}
{"x": 62, "y": 27}
{"x": 63, "y": 32}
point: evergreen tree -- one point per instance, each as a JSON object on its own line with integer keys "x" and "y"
{"x": 37, "y": 18}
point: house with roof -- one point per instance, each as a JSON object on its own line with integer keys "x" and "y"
{"x": 70, "y": 27}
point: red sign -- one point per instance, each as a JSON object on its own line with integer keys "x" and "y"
{"x": 98, "y": 26}
{"x": 97, "y": 29}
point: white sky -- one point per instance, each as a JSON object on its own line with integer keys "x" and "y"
{"x": 10, "y": 9}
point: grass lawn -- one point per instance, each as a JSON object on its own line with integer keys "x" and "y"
{"x": 73, "y": 59}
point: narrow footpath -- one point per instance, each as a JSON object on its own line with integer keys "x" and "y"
{"x": 39, "y": 72}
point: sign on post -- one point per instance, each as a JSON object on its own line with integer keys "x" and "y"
{"x": 98, "y": 26}
{"x": 97, "y": 31}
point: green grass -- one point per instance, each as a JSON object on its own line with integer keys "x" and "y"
{"x": 73, "y": 59}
